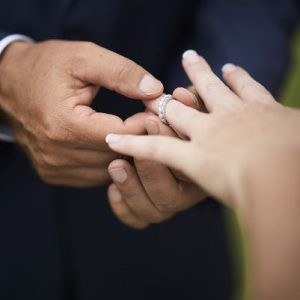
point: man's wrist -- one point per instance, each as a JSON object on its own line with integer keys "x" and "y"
{"x": 8, "y": 40}
{"x": 8, "y": 63}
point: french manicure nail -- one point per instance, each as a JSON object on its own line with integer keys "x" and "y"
{"x": 150, "y": 85}
{"x": 116, "y": 195}
{"x": 118, "y": 175}
{"x": 229, "y": 68}
{"x": 191, "y": 56}
{"x": 112, "y": 138}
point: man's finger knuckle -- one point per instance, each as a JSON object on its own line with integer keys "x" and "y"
{"x": 88, "y": 45}
{"x": 124, "y": 215}
{"x": 49, "y": 160}
{"x": 130, "y": 193}
{"x": 158, "y": 217}
{"x": 166, "y": 207}
{"x": 146, "y": 173}
{"x": 122, "y": 71}
{"x": 58, "y": 135}
{"x": 81, "y": 50}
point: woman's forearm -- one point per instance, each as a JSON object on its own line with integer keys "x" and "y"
{"x": 271, "y": 218}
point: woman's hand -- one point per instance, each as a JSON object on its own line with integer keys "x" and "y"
{"x": 245, "y": 132}
{"x": 144, "y": 192}
{"x": 245, "y": 152}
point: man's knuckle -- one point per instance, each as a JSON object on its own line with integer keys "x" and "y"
{"x": 49, "y": 160}
{"x": 122, "y": 70}
{"x": 130, "y": 194}
{"x": 166, "y": 207}
{"x": 158, "y": 217}
{"x": 77, "y": 56}
{"x": 123, "y": 215}
{"x": 146, "y": 173}
{"x": 88, "y": 45}
{"x": 82, "y": 48}
{"x": 59, "y": 135}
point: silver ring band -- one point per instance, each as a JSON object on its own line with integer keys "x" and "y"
{"x": 162, "y": 107}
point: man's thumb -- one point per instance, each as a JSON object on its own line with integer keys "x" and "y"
{"x": 108, "y": 69}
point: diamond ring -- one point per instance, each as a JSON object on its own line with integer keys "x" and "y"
{"x": 162, "y": 107}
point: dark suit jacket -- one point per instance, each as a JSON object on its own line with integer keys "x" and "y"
{"x": 61, "y": 243}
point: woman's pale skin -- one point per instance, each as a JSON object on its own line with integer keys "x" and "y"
{"x": 245, "y": 152}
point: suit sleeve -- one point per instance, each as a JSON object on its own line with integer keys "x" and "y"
{"x": 3, "y": 34}
{"x": 254, "y": 34}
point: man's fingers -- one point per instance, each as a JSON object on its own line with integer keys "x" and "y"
{"x": 90, "y": 128}
{"x": 244, "y": 85}
{"x": 154, "y": 126}
{"x": 126, "y": 180}
{"x": 163, "y": 189}
{"x": 100, "y": 66}
{"x": 122, "y": 211}
{"x": 166, "y": 150}
{"x": 152, "y": 105}
{"x": 78, "y": 177}
{"x": 215, "y": 94}
{"x": 77, "y": 158}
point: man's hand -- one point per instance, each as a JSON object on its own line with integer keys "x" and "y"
{"x": 46, "y": 91}
{"x": 147, "y": 192}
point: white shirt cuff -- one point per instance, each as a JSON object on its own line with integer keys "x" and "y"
{"x": 6, "y": 133}
{"x": 4, "y": 43}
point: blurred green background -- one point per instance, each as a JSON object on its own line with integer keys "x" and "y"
{"x": 291, "y": 91}
{"x": 290, "y": 96}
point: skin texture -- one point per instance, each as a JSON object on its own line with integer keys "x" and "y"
{"x": 245, "y": 152}
{"x": 138, "y": 197}
{"x": 46, "y": 90}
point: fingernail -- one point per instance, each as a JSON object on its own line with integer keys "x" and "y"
{"x": 118, "y": 175}
{"x": 150, "y": 85}
{"x": 112, "y": 138}
{"x": 229, "y": 68}
{"x": 116, "y": 195}
{"x": 152, "y": 127}
{"x": 191, "y": 56}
